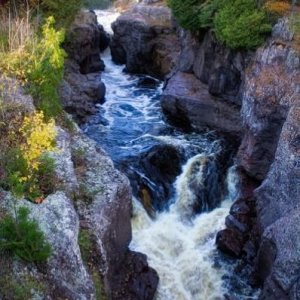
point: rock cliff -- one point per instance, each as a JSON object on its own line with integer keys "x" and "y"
{"x": 205, "y": 86}
{"x": 82, "y": 87}
{"x": 269, "y": 155}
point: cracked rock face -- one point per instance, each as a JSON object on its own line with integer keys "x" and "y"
{"x": 82, "y": 87}
{"x": 145, "y": 40}
{"x": 66, "y": 275}
{"x": 187, "y": 103}
{"x": 270, "y": 155}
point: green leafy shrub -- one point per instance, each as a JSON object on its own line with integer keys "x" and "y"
{"x": 40, "y": 64}
{"x": 240, "y": 24}
{"x": 22, "y": 237}
{"x": 26, "y": 169}
{"x": 22, "y": 182}
{"x": 237, "y": 23}
{"x": 46, "y": 70}
{"x": 207, "y": 12}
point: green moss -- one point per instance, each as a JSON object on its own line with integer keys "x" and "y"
{"x": 85, "y": 244}
{"x": 21, "y": 289}
{"x": 46, "y": 70}
{"x": 89, "y": 256}
{"x": 98, "y": 283}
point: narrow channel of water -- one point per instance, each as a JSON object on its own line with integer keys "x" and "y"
{"x": 179, "y": 245}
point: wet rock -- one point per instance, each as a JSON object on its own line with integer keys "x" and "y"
{"x": 104, "y": 39}
{"x": 201, "y": 187}
{"x": 80, "y": 93}
{"x": 137, "y": 281}
{"x": 153, "y": 173}
{"x": 241, "y": 232}
{"x": 148, "y": 82}
{"x": 145, "y": 40}
{"x": 187, "y": 103}
{"x": 230, "y": 241}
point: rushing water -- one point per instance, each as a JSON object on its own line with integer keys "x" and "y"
{"x": 181, "y": 249}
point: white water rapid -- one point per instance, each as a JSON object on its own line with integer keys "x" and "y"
{"x": 181, "y": 249}
{"x": 183, "y": 252}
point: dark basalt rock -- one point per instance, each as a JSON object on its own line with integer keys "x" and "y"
{"x": 240, "y": 238}
{"x": 145, "y": 40}
{"x": 219, "y": 67}
{"x": 148, "y": 82}
{"x": 209, "y": 190}
{"x": 82, "y": 87}
{"x": 230, "y": 241}
{"x": 187, "y": 103}
{"x": 268, "y": 91}
{"x": 136, "y": 279}
{"x": 104, "y": 39}
{"x": 270, "y": 154}
{"x": 91, "y": 64}
{"x": 161, "y": 163}
{"x": 84, "y": 42}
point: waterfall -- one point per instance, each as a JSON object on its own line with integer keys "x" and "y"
{"x": 183, "y": 252}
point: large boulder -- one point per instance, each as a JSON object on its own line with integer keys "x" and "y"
{"x": 65, "y": 271}
{"x": 187, "y": 103}
{"x": 145, "y": 40}
{"x": 84, "y": 40}
{"x": 152, "y": 175}
{"x": 82, "y": 87}
{"x": 80, "y": 93}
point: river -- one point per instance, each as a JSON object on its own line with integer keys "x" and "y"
{"x": 180, "y": 245}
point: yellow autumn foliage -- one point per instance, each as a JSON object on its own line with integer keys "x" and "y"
{"x": 278, "y": 8}
{"x": 39, "y": 137}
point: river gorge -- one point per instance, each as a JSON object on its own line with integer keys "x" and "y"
{"x": 175, "y": 159}
{"x": 179, "y": 242}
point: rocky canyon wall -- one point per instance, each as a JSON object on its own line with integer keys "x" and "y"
{"x": 253, "y": 98}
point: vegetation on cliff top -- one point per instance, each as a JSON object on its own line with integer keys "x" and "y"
{"x": 237, "y": 23}
{"x": 31, "y": 37}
